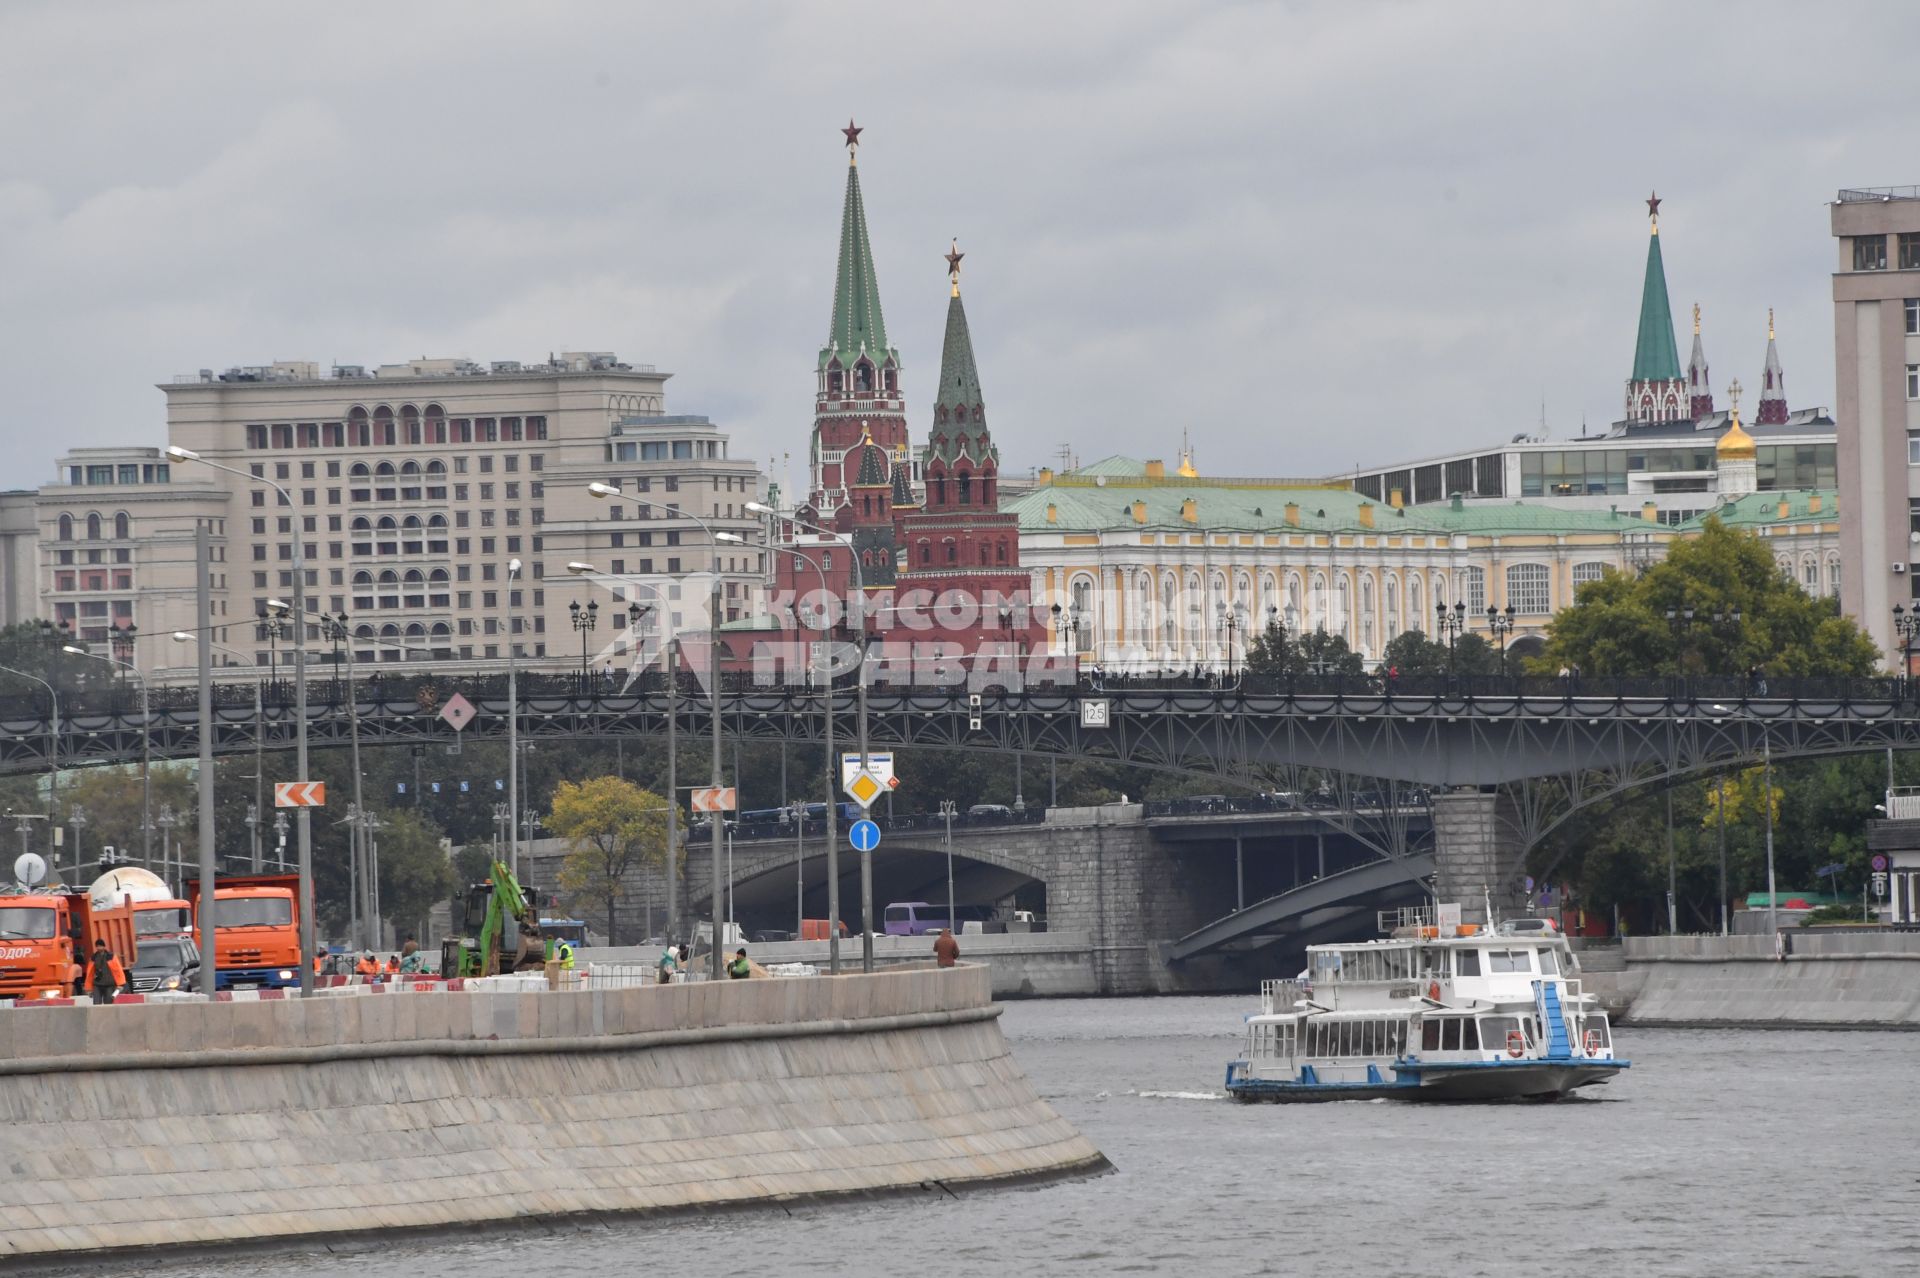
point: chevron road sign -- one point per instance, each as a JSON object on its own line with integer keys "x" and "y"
{"x": 299, "y": 794}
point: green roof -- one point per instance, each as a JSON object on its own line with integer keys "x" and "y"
{"x": 1082, "y": 508}
{"x": 1757, "y": 510}
{"x": 1656, "y": 358}
{"x": 858, "y": 324}
{"x": 1115, "y": 467}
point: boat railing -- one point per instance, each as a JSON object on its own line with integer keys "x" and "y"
{"x": 1281, "y": 996}
{"x": 1406, "y": 916}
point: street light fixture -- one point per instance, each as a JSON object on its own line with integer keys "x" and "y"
{"x": 305, "y": 821}
{"x": 1450, "y": 622}
{"x": 1907, "y": 626}
{"x": 146, "y": 744}
{"x": 604, "y": 491}
{"x": 1500, "y": 625}
{"x": 860, "y": 689}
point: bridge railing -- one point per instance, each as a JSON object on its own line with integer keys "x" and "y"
{"x": 428, "y": 687}
{"x": 1277, "y": 801}
{"x": 930, "y": 823}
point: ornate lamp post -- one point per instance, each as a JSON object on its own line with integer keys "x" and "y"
{"x": 1229, "y": 620}
{"x": 584, "y": 620}
{"x": 1499, "y": 626}
{"x": 1450, "y": 622}
{"x": 271, "y": 625}
{"x": 1907, "y": 626}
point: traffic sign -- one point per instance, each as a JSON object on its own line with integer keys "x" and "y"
{"x": 1095, "y": 713}
{"x": 864, "y": 835}
{"x": 864, "y": 789}
{"x": 458, "y": 712}
{"x": 1879, "y": 861}
{"x": 713, "y": 798}
{"x": 299, "y": 794}
{"x": 879, "y": 763}
{"x": 1879, "y": 883}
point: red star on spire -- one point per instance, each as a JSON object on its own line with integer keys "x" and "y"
{"x": 953, "y": 259}
{"x": 853, "y": 133}
{"x": 1653, "y": 204}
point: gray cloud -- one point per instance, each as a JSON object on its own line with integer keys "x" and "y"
{"x": 1308, "y": 234}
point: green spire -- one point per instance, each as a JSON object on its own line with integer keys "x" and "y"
{"x": 959, "y": 378}
{"x": 857, "y": 322}
{"x": 1656, "y": 358}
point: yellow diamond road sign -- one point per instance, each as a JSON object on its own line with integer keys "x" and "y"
{"x": 864, "y": 789}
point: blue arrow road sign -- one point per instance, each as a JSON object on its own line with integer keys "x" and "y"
{"x": 864, "y": 835}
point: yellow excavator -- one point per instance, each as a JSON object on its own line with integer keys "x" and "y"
{"x": 503, "y": 930}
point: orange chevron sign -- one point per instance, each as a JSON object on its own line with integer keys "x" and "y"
{"x": 299, "y": 794}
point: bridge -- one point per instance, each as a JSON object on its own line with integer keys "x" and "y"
{"x": 1484, "y": 768}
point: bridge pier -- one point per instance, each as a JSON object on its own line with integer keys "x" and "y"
{"x": 1476, "y": 853}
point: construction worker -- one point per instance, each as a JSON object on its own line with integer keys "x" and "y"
{"x": 411, "y": 960}
{"x": 320, "y": 961}
{"x": 740, "y": 968}
{"x": 563, "y": 950}
{"x": 669, "y": 963}
{"x": 108, "y": 976}
{"x": 393, "y": 965}
{"x": 367, "y": 966}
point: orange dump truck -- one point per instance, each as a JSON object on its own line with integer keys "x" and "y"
{"x": 256, "y": 930}
{"x": 43, "y": 937}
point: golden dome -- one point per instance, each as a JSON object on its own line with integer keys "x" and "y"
{"x": 1736, "y": 444}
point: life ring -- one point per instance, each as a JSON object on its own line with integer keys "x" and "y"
{"x": 1593, "y": 1042}
{"x": 1516, "y": 1044}
{"x": 1433, "y": 990}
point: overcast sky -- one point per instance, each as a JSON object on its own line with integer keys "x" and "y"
{"x": 1309, "y": 234}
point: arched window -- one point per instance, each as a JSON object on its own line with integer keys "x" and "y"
{"x": 1084, "y": 620}
{"x": 93, "y": 527}
{"x": 1833, "y": 575}
{"x": 1392, "y": 600}
{"x": 863, "y": 376}
{"x": 437, "y": 522}
{"x": 1169, "y": 617}
{"x": 1529, "y": 590}
{"x": 362, "y": 524}
{"x": 122, "y": 527}
{"x": 386, "y": 524}
{"x": 383, "y": 432}
{"x": 66, "y": 528}
{"x": 964, "y": 483}
{"x": 411, "y": 523}
{"x": 388, "y": 577}
{"x": 1810, "y": 575}
{"x": 1589, "y": 570}
{"x": 436, "y": 469}
{"x": 1320, "y": 603}
{"x": 383, "y": 471}
{"x": 410, "y": 468}
{"x": 1366, "y": 614}
{"x": 363, "y": 578}
{"x": 414, "y": 577}
{"x": 1343, "y": 607}
{"x": 1416, "y": 605}
{"x": 438, "y": 577}
{"x": 1295, "y": 606}
{"x": 358, "y": 471}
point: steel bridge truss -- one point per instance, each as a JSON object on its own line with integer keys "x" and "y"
{"x": 1375, "y": 755}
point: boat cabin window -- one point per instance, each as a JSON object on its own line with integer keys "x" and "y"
{"x": 1466, "y": 962}
{"x": 1449, "y": 1034}
{"x": 1598, "y": 1025}
{"x": 1494, "y": 1030}
{"x": 1355, "y": 1038}
{"x": 1370, "y": 964}
{"x": 1509, "y": 961}
{"x": 1549, "y": 963}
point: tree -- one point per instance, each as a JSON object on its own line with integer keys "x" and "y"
{"x": 415, "y": 872}
{"x": 1412, "y": 653}
{"x": 612, "y": 826}
{"x": 1279, "y": 653}
{"x": 1619, "y": 625}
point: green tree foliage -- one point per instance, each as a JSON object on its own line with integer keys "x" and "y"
{"x": 1412, "y": 653}
{"x": 1280, "y": 652}
{"x": 612, "y": 826}
{"x": 1619, "y": 625}
{"x": 415, "y": 872}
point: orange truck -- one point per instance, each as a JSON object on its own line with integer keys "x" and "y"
{"x": 256, "y": 930}
{"x": 157, "y": 912}
{"x": 44, "y": 936}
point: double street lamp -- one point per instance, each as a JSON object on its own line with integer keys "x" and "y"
{"x": 1449, "y": 623}
{"x": 833, "y": 764}
{"x": 305, "y": 815}
{"x": 1499, "y": 626}
{"x": 1907, "y": 626}
{"x": 146, "y": 738}
{"x": 603, "y": 492}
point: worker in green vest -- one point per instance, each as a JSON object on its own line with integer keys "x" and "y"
{"x": 739, "y": 969}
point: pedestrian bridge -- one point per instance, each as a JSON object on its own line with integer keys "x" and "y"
{"x": 1337, "y": 905}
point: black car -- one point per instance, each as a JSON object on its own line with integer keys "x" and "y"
{"x": 165, "y": 963}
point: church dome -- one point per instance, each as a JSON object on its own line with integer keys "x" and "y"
{"x": 1736, "y": 444}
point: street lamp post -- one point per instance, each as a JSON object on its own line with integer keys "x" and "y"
{"x": 146, "y": 734}
{"x": 513, "y": 734}
{"x": 1907, "y": 626}
{"x": 604, "y": 491}
{"x": 305, "y": 817}
{"x": 259, "y": 804}
{"x": 860, "y": 692}
{"x": 947, "y": 811}
{"x": 1500, "y": 625}
{"x": 1449, "y": 623}
{"x": 166, "y": 821}
{"x": 584, "y": 620}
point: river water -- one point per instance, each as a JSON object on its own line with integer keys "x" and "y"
{"x": 1720, "y": 1152}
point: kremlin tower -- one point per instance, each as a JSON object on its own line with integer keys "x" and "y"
{"x": 1656, "y": 392}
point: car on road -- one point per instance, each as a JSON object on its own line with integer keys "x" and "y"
{"x": 164, "y": 963}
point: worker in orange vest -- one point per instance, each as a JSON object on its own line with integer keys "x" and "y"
{"x": 368, "y": 966}
{"x": 393, "y": 965}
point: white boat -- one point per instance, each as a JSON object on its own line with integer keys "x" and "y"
{"x": 1446, "y": 1012}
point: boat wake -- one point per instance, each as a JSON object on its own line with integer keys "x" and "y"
{"x": 1187, "y": 1096}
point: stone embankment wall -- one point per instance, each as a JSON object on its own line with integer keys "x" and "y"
{"x": 194, "y": 1125}
{"x": 1832, "y": 979}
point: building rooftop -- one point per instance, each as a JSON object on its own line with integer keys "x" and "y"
{"x": 1877, "y": 194}
{"x": 1219, "y": 506}
{"x": 281, "y": 372}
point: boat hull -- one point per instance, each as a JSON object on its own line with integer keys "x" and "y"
{"x": 1464, "y": 1081}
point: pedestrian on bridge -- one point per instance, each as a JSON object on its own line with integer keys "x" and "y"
{"x": 108, "y": 976}
{"x": 946, "y": 950}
